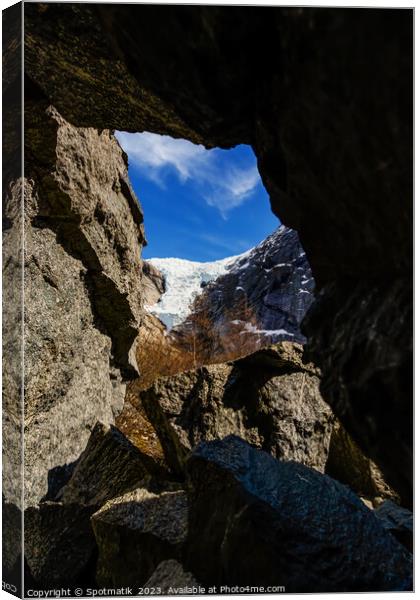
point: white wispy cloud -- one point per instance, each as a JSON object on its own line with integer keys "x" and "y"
{"x": 237, "y": 185}
{"x": 222, "y": 186}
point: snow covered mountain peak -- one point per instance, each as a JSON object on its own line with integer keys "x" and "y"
{"x": 184, "y": 279}
{"x": 273, "y": 280}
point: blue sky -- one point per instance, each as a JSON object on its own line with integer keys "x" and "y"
{"x": 198, "y": 204}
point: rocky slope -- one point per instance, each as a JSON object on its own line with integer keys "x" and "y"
{"x": 132, "y": 517}
{"x": 263, "y": 296}
{"x": 234, "y": 306}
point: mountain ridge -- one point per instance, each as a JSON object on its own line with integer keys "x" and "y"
{"x": 272, "y": 283}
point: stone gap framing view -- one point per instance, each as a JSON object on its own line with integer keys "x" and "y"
{"x": 175, "y": 416}
{"x": 199, "y": 312}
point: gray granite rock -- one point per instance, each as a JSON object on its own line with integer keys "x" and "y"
{"x": 83, "y": 301}
{"x": 254, "y": 520}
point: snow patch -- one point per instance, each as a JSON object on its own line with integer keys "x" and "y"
{"x": 250, "y": 328}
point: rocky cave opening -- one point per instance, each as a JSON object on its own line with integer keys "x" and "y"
{"x": 341, "y": 404}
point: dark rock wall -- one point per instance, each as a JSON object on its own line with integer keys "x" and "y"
{"x": 365, "y": 349}
{"x": 325, "y": 98}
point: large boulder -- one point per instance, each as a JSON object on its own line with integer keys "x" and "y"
{"x": 271, "y": 399}
{"x": 137, "y": 531}
{"x": 307, "y": 532}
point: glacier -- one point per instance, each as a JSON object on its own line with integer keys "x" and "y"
{"x": 273, "y": 278}
{"x": 184, "y": 280}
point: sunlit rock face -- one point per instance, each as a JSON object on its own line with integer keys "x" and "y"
{"x": 83, "y": 293}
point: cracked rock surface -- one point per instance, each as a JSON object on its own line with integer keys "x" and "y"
{"x": 307, "y": 531}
